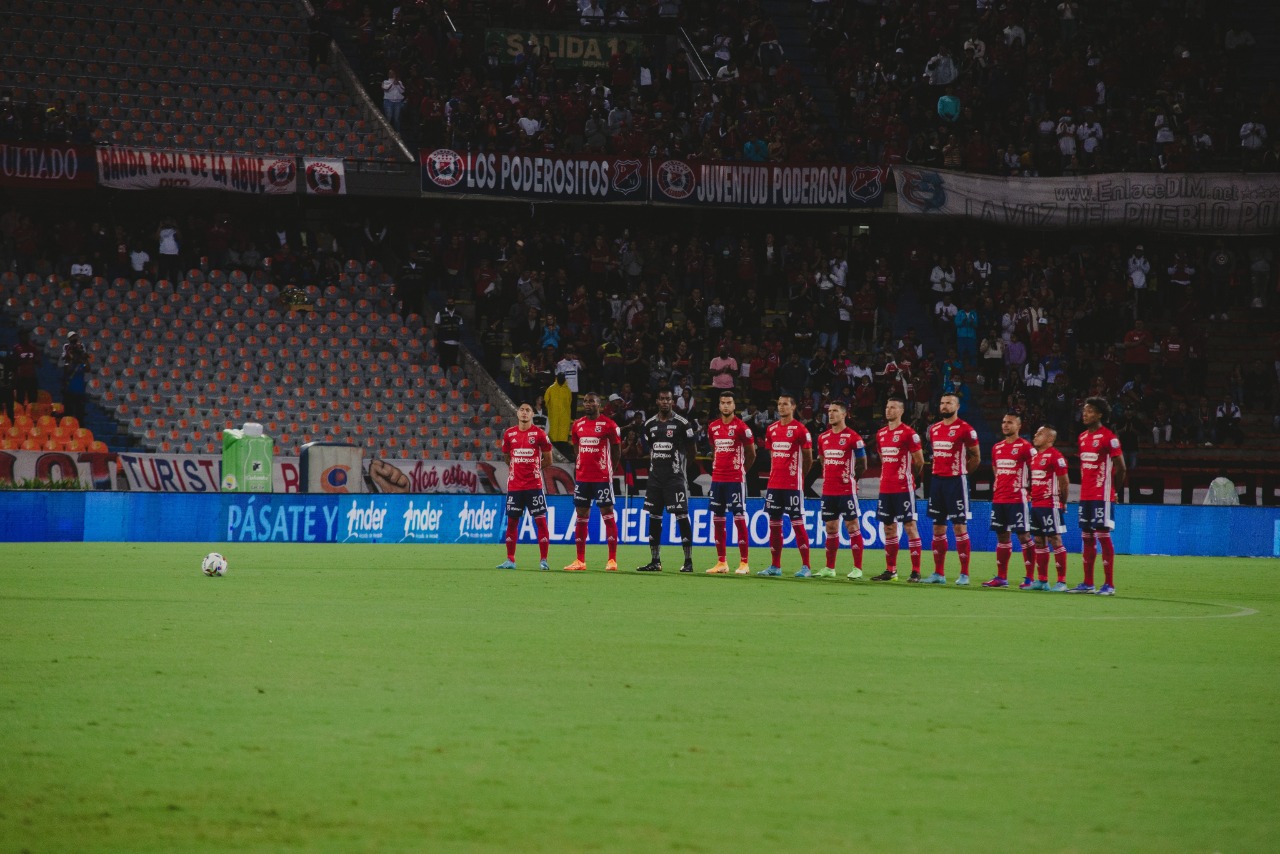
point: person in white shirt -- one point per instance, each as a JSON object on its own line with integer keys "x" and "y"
{"x": 1089, "y": 132}
{"x": 1066, "y": 138}
{"x": 1139, "y": 268}
{"x": 571, "y": 368}
{"x": 393, "y": 98}
{"x": 941, "y": 69}
{"x": 943, "y": 278}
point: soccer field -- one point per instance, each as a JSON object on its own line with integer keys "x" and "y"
{"x": 412, "y": 698}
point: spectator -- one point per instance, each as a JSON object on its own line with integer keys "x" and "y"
{"x": 1227, "y": 421}
{"x": 448, "y": 333}
{"x": 393, "y": 96}
{"x": 26, "y": 360}
{"x": 724, "y": 369}
{"x": 559, "y": 401}
{"x": 74, "y": 363}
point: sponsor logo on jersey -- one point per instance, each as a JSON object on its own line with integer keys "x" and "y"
{"x": 663, "y": 447}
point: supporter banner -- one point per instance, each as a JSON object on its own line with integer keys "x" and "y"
{"x": 435, "y": 476}
{"x": 196, "y": 473}
{"x": 46, "y": 166}
{"x": 535, "y": 176}
{"x": 150, "y": 169}
{"x": 324, "y": 177}
{"x": 1188, "y": 203}
{"x": 569, "y": 49}
{"x": 94, "y": 470}
{"x": 794, "y": 186}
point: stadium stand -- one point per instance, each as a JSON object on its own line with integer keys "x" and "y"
{"x": 228, "y": 76}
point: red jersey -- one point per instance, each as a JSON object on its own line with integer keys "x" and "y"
{"x": 1097, "y": 449}
{"x": 839, "y": 451}
{"x": 949, "y": 442}
{"x": 523, "y": 450}
{"x": 1046, "y": 465}
{"x": 896, "y": 446}
{"x": 785, "y": 443}
{"x": 1010, "y": 461}
{"x": 592, "y": 438}
{"x": 728, "y": 454}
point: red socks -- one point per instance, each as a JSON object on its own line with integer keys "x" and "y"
{"x": 1003, "y": 552}
{"x": 802, "y": 542}
{"x": 915, "y": 549}
{"x": 744, "y": 537}
{"x": 513, "y": 527}
{"x": 940, "y": 555}
{"x": 891, "y": 555}
{"x": 544, "y": 538}
{"x": 1028, "y": 555}
{"x": 1088, "y": 554}
{"x": 833, "y": 548}
{"x": 580, "y": 538}
{"x": 1042, "y": 564}
{"x": 1108, "y": 556}
{"x": 722, "y": 534}
{"x": 1060, "y": 562}
{"x": 962, "y": 549}
{"x": 856, "y": 544}
{"x": 611, "y": 534}
{"x": 775, "y": 542}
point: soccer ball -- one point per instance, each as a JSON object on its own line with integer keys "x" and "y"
{"x": 213, "y": 564}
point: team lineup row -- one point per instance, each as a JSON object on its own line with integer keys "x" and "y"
{"x": 1028, "y": 498}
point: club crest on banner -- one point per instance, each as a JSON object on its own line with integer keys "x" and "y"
{"x": 627, "y": 176}
{"x": 445, "y": 167}
{"x": 675, "y": 179}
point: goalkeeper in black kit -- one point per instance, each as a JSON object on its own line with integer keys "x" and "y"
{"x": 669, "y": 438}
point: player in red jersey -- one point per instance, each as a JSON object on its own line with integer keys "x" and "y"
{"x": 1010, "y": 460}
{"x": 528, "y": 452}
{"x": 1102, "y": 472}
{"x": 955, "y": 455}
{"x": 733, "y": 452}
{"x": 844, "y": 459}
{"x": 1048, "y": 500}
{"x": 901, "y": 461}
{"x": 599, "y": 445}
{"x": 790, "y": 455}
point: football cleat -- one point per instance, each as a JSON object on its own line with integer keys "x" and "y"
{"x": 1060, "y": 587}
{"x": 914, "y": 578}
{"x": 651, "y": 566}
{"x": 543, "y": 565}
{"x": 721, "y": 568}
{"x": 576, "y": 566}
{"x": 771, "y": 572}
{"x": 826, "y": 572}
{"x": 854, "y": 575}
{"x": 963, "y": 580}
{"x": 743, "y": 569}
{"x": 996, "y": 582}
{"x": 1083, "y": 588}
{"x": 506, "y": 564}
{"x": 610, "y": 565}
{"x": 1027, "y": 584}
{"x": 936, "y": 578}
{"x": 1040, "y": 585}
{"x": 1106, "y": 590}
{"x": 887, "y": 575}
{"x": 687, "y": 566}
{"x": 802, "y": 572}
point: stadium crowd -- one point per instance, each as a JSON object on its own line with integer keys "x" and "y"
{"x": 1032, "y": 88}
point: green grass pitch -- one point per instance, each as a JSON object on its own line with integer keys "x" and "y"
{"x": 413, "y": 698}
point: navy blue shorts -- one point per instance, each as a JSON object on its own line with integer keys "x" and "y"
{"x": 1047, "y": 522}
{"x": 1009, "y": 517}
{"x": 783, "y": 502}
{"x": 533, "y": 500}
{"x": 837, "y": 506}
{"x": 584, "y": 494}
{"x": 727, "y": 498}
{"x": 1096, "y": 516}
{"x": 949, "y": 499}
{"x": 896, "y": 507}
